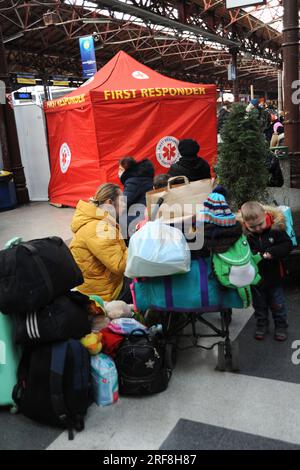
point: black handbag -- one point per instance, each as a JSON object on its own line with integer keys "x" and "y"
{"x": 34, "y": 273}
{"x": 64, "y": 318}
{"x": 140, "y": 361}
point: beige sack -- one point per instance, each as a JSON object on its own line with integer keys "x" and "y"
{"x": 178, "y": 202}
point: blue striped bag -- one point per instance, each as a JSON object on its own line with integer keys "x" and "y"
{"x": 195, "y": 291}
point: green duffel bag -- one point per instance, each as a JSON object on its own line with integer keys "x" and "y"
{"x": 195, "y": 291}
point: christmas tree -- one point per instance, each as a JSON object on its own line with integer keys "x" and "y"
{"x": 241, "y": 166}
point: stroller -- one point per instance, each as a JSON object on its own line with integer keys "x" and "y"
{"x": 186, "y": 299}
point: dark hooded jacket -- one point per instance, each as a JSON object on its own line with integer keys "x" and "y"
{"x": 273, "y": 240}
{"x": 137, "y": 180}
{"x": 190, "y": 165}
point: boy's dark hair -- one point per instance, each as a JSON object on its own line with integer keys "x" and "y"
{"x": 127, "y": 163}
{"x": 160, "y": 181}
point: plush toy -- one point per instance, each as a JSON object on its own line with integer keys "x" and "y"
{"x": 118, "y": 309}
{"x": 102, "y": 312}
{"x": 92, "y": 342}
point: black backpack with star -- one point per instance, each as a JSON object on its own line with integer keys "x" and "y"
{"x": 141, "y": 365}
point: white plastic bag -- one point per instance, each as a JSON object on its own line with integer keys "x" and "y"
{"x": 157, "y": 250}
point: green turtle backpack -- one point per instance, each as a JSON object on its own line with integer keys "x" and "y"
{"x": 237, "y": 268}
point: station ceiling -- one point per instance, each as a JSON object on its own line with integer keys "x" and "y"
{"x": 189, "y": 40}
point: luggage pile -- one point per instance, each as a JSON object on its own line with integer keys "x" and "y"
{"x": 48, "y": 371}
{"x": 52, "y": 380}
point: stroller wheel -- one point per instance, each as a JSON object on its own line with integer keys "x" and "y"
{"x": 221, "y": 364}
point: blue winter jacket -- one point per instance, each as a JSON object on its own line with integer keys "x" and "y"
{"x": 137, "y": 181}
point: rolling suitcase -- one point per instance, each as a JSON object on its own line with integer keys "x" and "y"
{"x": 9, "y": 361}
{"x": 9, "y": 356}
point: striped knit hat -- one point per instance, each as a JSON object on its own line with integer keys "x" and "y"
{"x": 216, "y": 211}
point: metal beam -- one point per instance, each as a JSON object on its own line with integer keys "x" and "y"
{"x": 161, "y": 20}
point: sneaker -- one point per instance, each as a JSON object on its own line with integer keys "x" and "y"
{"x": 260, "y": 332}
{"x": 280, "y": 334}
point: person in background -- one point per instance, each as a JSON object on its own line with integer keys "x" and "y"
{"x": 266, "y": 234}
{"x": 223, "y": 115}
{"x": 98, "y": 247}
{"x": 137, "y": 178}
{"x": 190, "y": 164}
{"x": 278, "y": 135}
{"x": 264, "y": 117}
{"x": 281, "y": 117}
{"x": 252, "y": 105}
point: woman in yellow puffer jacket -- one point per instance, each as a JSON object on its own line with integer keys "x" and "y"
{"x": 98, "y": 247}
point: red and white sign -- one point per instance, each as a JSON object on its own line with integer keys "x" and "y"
{"x": 64, "y": 157}
{"x": 167, "y": 151}
{"x": 139, "y": 75}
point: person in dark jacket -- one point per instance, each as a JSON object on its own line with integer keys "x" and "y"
{"x": 137, "y": 178}
{"x": 223, "y": 115}
{"x": 265, "y": 230}
{"x": 190, "y": 165}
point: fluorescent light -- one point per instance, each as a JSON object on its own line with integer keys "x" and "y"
{"x": 12, "y": 38}
{"x": 95, "y": 20}
{"x": 158, "y": 57}
{"x": 191, "y": 66}
{"x": 165, "y": 38}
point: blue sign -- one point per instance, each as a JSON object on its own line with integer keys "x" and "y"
{"x": 88, "y": 59}
{"x": 231, "y": 72}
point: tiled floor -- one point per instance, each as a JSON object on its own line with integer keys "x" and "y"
{"x": 35, "y": 220}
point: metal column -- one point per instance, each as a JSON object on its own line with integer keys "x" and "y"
{"x": 290, "y": 49}
{"x": 280, "y": 98}
{"x": 9, "y": 137}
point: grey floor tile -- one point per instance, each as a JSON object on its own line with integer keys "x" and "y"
{"x": 191, "y": 435}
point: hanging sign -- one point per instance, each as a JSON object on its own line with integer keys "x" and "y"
{"x": 87, "y": 51}
{"x": 26, "y": 80}
{"x": 243, "y": 3}
{"x": 231, "y": 72}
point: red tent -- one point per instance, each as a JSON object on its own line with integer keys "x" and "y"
{"x": 126, "y": 109}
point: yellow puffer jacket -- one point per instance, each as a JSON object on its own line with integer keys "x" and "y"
{"x": 98, "y": 250}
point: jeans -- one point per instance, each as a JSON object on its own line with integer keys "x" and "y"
{"x": 265, "y": 298}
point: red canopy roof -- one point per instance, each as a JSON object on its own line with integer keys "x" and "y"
{"x": 123, "y": 72}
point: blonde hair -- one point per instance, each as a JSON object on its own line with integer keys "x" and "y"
{"x": 251, "y": 210}
{"x": 104, "y": 192}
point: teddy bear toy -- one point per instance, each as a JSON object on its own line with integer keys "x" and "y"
{"x": 118, "y": 309}
{"x": 102, "y": 312}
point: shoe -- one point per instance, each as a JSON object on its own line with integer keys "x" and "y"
{"x": 260, "y": 332}
{"x": 280, "y": 334}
